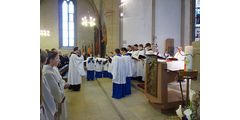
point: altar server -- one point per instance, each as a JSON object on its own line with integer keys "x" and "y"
{"x": 48, "y": 107}
{"x": 180, "y": 55}
{"x": 52, "y": 80}
{"x": 110, "y": 57}
{"x": 135, "y": 60}
{"x": 76, "y": 70}
{"x": 99, "y": 66}
{"x": 105, "y": 67}
{"x": 90, "y": 67}
{"x": 119, "y": 75}
{"x": 128, "y": 68}
{"x": 140, "y": 64}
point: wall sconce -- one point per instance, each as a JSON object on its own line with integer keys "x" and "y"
{"x": 44, "y": 33}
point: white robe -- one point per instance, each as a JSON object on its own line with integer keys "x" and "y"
{"x": 118, "y": 71}
{"x": 128, "y": 65}
{"x": 52, "y": 79}
{"x": 48, "y": 100}
{"x": 76, "y": 70}
{"x": 140, "y": 66}
{"x": 43, "y": 115}
{"x": 109, "y": 66}
{"x": 99, "y": 67}
{"x": 105, "y": 67}
{"x": 91, "y": 65}
{"x": 134, "y": 63}
{"x": 180, "y": 56}
{"x": 62, "y": 85}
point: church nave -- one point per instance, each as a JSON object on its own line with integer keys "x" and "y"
{"x": 94, "y": 102}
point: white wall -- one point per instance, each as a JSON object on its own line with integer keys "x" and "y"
{"x": 137, "y": 22}
{"x": 167, "y": 22}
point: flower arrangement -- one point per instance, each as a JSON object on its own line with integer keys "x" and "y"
{"x": 187, "y": 110}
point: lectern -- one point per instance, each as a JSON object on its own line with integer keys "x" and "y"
{"x": 157, "y": 78}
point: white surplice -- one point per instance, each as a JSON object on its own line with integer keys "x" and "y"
{"x": 90, "y": 65}
{"x": 48, "y": 100}
{"x": 128, "y": 65}
{"x": 140, "y": 66}
{"x": 76, "y": 70}
{"x": 52, "y": 79}
{"x": 180, "y": 56}
{"x": 106, "y": 65}
{"x": 134, "y": 63}
{"x": 118, "y": 71}
{"x": 99, "y": 67}
{"x": 63, "y": 105}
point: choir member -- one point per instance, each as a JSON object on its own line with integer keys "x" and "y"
{"x": 110, "y": 57}
{"x": 180, "y": 55}
{"x": 99, "y": 66}
{"x": 119, "y": 75}
{"x": 148, "y": 49}
{"x": 90, "y": 67}
{"x": 134, "y": 60}
{"x": 140, "y": 64}
{"x": 128, "y": 68}
{"x": 130, "y": 51}
{"x": 76, "y": 70}
{"x": 48, "y": 108}
{"x": 52, "y": 79}
{"x": 105, "y": 66}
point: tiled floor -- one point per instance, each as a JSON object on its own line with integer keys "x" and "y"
{"x": 94, "y": 102}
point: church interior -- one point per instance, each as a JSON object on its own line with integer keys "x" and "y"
{"x": 169, "y": 88}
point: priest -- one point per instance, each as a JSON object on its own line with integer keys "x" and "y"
{"x": 76, "y": 70}
{"x": 180, "y": 55}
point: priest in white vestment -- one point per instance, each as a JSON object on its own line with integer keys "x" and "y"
{"x": 76, "y": 70}
{"x": 180, "y": 55}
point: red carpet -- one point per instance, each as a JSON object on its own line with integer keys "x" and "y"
{"x": 142, "y": 85}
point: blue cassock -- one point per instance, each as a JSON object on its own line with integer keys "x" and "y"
{"x": 129, "y": 71}
{"x": 119, "y": 77}
{"x": 99, "y": 68}
{"x": 90, "y": 71}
